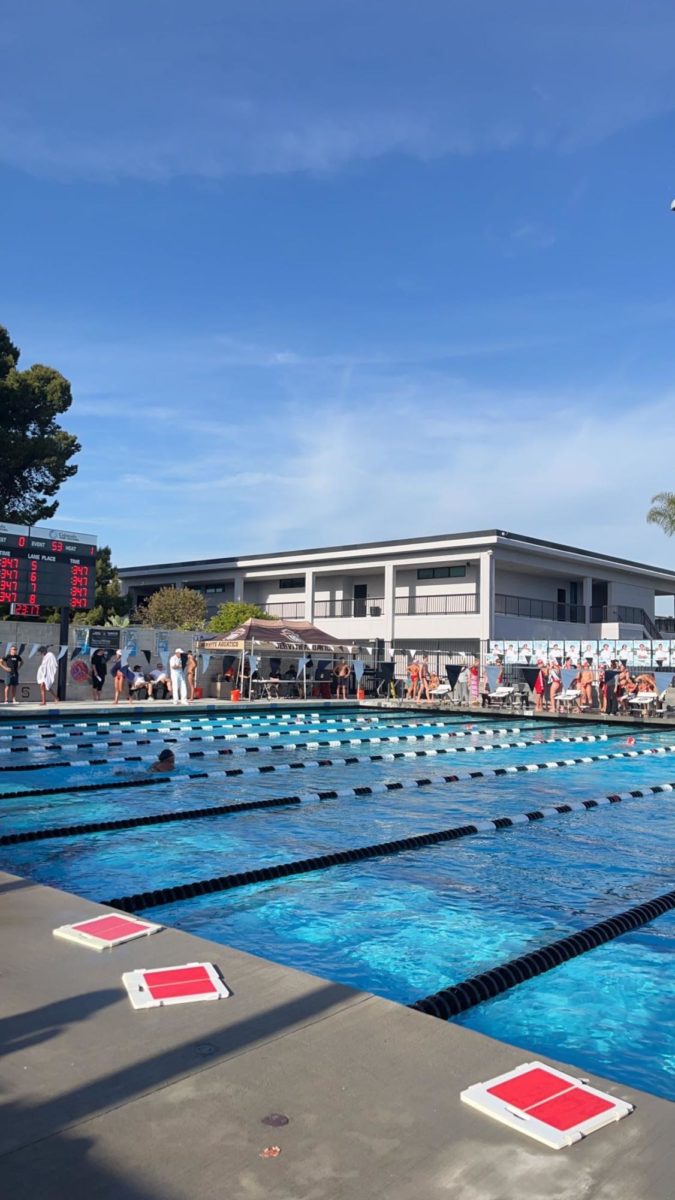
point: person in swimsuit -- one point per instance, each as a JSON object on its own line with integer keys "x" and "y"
{"x": 191, "y": 674}
{"x": 554, "y": 684}
{"x": 342, "y": 673}
{"x": 414, "y": 674}
{"x": 163, "y": 764}
{"x": 423, "y": 680}
{"x": 11, "y": 665}
{"x": 586, "y": 685}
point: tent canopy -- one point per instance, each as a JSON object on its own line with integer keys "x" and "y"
{"x": 278, "y": 635}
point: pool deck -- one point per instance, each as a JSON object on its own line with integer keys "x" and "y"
{"x": 100, "y": 1100}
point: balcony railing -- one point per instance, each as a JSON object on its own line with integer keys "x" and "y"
{"x": 289, "y": 611}
{"x": 547, "y": 610}
{"x": 626, "y": 613}
{"x": 431, "y": 606}
{"x": 362, "y": 606}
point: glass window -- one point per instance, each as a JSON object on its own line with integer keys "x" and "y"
{"x": 441, "y": 572}
{"x": 295, "y": 581}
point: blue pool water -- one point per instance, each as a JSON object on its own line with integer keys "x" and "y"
{"x": 404, "y": 925}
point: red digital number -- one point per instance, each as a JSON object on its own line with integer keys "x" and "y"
{"x": 57, "y": 547}
{"x": 22, "y": 540}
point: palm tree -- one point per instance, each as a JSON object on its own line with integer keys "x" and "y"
{"x": 662, "y": 512}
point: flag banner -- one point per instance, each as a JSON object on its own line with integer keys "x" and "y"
{"x": 75, "y": 653}
{"x": 359, "y": 668}
{"x": 530, "y": 675}
{"x": 147, "y": 656}
{"x": 125, "y": 655}
{"x": 33, "y": 649}
{"x": 62, "y": 650}
{"x": 206, "y": 659}
{"x": 453, "y": 671}
{"x": 663, "y": 679}
{"x": 568, "y": 675}
{"x": 253, "y": 661}
{"x": 302, "y": 663}
{"x": 493, "y": 674}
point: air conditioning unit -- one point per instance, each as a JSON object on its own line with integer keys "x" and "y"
{"x": 375, "y": 611}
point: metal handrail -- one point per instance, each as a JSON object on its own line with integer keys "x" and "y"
{"x": 531, "y": 606}
{"x": 436, "y": 605}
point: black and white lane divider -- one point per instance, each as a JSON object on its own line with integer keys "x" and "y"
{"x": 306, "y": 764}
{"x": 321, "y": 862}
{"x": 61, "y": 748}
{"x": 451, "y": 1001}
{"x": 488, "y": 825}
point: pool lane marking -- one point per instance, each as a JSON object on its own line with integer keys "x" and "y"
{"x": 200, "y": 887}
{"x": 459, "y": 997}
{"x": 357, "y": 758}
{"x": 293, "y": 746}
{"x": 307, "y": 797}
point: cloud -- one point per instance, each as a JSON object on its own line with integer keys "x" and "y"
{"x": 329, "y": 86}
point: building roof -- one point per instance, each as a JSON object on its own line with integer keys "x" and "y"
{"x": 499, "y": 535}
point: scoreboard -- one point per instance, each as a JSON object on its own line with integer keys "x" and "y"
{"x": 46, "y": 568}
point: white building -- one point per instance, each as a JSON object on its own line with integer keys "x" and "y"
{"x": 448, "y": 592}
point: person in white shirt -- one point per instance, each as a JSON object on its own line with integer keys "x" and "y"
{"x": 178, "y": 682}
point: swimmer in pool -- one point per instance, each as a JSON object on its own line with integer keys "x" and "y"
{"x": 163, "y": 764}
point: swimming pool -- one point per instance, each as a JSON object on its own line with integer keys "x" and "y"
{"x": 402, "y": 924}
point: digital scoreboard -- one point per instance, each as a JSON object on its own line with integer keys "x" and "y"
{"x": 46, "y": 568}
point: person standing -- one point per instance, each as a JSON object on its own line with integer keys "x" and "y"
{"x": 119, "y": 674}
{"x": 191, "y": 674}
{"x": 11, "y": 665}
{"x": 342, "y": 673}
{"x": 99, "y": 670}
{"x": 178, "y": 683}
{"x": 46, "y": 674}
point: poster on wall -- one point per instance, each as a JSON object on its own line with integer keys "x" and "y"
{"x": 524, "y": 652}
{"x": 642, "y": 653}
{"x": 588, "y": 651}
{"x": 104, "y": 639}
{"x": 660, "y": 654}
{"x": 510, "y": 652}
{"x": 606, "y": 652}
{"x": 540, "y": 652}
{"x": 556, "y": 652}
{"x": 495, "y": 652}
{"x": 572, "y": 652}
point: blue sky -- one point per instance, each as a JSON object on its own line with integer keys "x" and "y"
{"x": 325, "y": 271}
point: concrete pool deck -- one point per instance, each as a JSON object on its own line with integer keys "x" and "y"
{"x": 102, "y": 1101}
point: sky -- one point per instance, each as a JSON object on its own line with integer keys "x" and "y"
{"x": 330, "y": 271}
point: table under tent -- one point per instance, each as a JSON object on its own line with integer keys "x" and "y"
{"x": 272, "y": 660}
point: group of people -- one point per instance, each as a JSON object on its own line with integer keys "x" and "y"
{"x": 11, "y": 664}
{"x": 177, "y": 684}
{"x": 422, "y": 681}
{"x": 609, "y": 688}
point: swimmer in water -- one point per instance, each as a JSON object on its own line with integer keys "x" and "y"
{"x": 163, "y": 764}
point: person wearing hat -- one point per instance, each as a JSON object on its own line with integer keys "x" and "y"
{"x": 163, "y": 764}
{"x": 178, "y": 682}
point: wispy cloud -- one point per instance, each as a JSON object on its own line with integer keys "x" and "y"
{"x": 330, "y": 85}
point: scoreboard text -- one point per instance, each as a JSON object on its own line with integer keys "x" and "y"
{"x": 38, "y": 570}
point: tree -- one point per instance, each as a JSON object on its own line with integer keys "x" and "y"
{"x": 662, "y": 512}
{"x": 36, "y": 451}
{"x": 234, "y": 613}
{"x": 174, "y": 608}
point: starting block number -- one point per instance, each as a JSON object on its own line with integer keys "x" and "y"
{"x": 546, "y": 1104}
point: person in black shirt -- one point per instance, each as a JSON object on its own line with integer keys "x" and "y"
{"x": 11, "y": 665}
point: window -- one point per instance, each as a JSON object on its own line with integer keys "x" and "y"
{"x": 441, "y": 572}
{"x": 295, "y": 581}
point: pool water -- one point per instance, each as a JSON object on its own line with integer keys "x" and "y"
{"x": 407, "y": 924}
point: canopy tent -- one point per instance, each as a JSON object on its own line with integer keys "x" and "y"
{"x": 277, "y": 635}
{"x": 280, "y": 638}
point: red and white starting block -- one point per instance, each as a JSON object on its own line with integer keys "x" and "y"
{"x": 175, "y": 985}
{"x": 546, "y": 1104}
{"x": 106, "y": 932}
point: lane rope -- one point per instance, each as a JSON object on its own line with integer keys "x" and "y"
{"x": 451, "y": 1001}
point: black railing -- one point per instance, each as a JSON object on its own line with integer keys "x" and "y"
{"x": 627, "y": 613}
{"x": 362, "y": 606}
{"x": 444, "y": 605}
{"x": 547, "y": 610}
{"x": 290, "y": 611}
